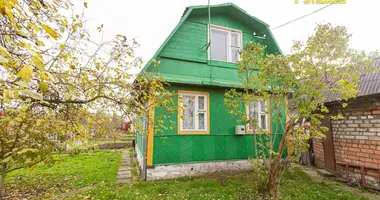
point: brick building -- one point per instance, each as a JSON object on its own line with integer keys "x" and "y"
{"x": 355, "y": 140}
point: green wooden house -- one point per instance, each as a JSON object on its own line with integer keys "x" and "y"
{"x": 201, "y": 72}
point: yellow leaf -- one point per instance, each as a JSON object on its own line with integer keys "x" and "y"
{"x": 43, "y": 76}
{"x": 74, "y": 27}
{"x": 21, "y": 44}
{"x": 8, "y": 94}
{"x": 66, "y": 96}
{"x": 11, "y": 18}
{"x": 4, "y": 51}
{"x": 65, "y": 57}
{"x": 36, "y": 4}
{"x": 24, "y": 108}
{"x": 50, "y": 31}
{"x": 34, "y": 27}
{"x": 26, "y": 73}
{"x": 37, "y": 61}
{"x": 43, "y": 86}
{"x": 7, "y": 38}
{"x": 62, "y": 46}
{"x": 85, "y": 4}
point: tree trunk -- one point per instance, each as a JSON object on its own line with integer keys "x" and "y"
{"x": 2, "y": 180}
{"x": 307, "y": 156}
{"x": 273, "y": 169}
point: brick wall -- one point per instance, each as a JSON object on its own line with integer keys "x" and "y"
{"x": 356, "y": 137}
{"x": 357, "y": 140}
{"x": 318, "y": 152}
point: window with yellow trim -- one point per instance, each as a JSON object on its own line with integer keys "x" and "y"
{"x": 258, "y": 115}
{"x": 194, "y": 112}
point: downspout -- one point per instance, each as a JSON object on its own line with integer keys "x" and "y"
{"x": 145, "y": 157}
{"x": 209, "y": 38}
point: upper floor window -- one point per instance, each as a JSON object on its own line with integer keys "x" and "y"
{"x": 225, "y": 44}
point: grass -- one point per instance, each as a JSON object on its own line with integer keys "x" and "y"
{"x": 69, "y": 172}
{"x": 101, "y": 167}
{"x": 296, "y": 185}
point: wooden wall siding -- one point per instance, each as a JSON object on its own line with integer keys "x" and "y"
{"x": 187, "y": 42}
{"x": 182, "y": 68}
{"x": 140, "y": 136}
{"x": 220, "y": 144}
{"x": 222, "y": 20}
{"x": 139, "y": 143}
{"x": 184, "y": 58}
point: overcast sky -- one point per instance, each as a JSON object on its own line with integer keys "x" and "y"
{"x": 151, "y": 21}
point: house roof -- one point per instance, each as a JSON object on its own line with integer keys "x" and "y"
{"x": 219, "y": 8}
{"x": 369, "y": 83}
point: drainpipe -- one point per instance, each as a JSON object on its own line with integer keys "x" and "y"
{"x": 209, "y": 38}
{"x": 145, "y": 157}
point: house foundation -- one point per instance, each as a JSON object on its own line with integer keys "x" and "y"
{"x": 194, "y": 169}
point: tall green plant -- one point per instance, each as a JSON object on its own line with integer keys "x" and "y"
{"x": 54, "y": 77}
{"x": 299, "y": 84}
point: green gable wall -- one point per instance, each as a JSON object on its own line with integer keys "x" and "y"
{"x": 221, "y": 144}
{"x": 184, "y": 57}
{"x": 187, "y": 42}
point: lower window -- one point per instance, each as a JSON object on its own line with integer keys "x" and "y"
{"x": 194, "y": 112}
{"x": 258, "y": 116}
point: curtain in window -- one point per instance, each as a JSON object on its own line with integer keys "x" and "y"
{"x": 189, "y": 107}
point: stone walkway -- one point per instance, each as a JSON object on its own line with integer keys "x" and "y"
{"x": 124, "y": 173}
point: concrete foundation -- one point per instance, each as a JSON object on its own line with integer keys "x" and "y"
{"x": 182, "y": 170}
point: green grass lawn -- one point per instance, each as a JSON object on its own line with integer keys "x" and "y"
{"x": 90, "y": 169}
{"x": 67, "y": 173}
{"x": 296, "y": 185}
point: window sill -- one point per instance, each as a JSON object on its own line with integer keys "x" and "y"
{"x": 223, "y": 64}
{"x": 258, "y": 132}
{"x": 193, "y": 132}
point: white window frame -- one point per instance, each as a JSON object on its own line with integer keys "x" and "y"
{"x": 205, "y": 110}
{"x": 229, "y": 46}
{"x": 266, "y": 113}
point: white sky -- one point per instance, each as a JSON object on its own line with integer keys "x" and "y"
{"x": 151, "y": 21}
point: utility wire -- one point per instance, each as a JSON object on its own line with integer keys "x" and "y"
{"x": 300, "y": 17}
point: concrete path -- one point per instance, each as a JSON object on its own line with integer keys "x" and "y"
{"x": 124, "y": 173}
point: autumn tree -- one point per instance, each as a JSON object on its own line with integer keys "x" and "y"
{"x": 298, "y": 84}
{"x": 54, "y": 75}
